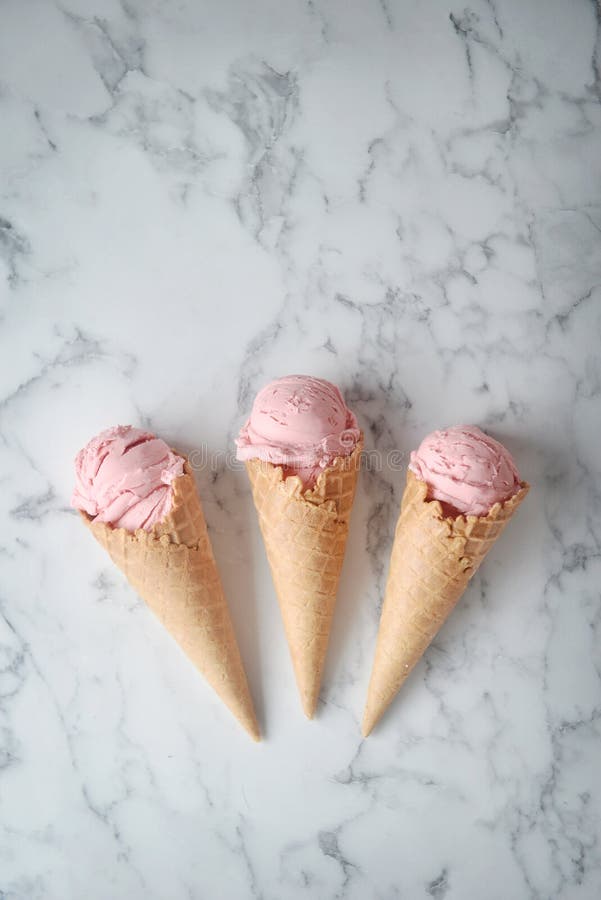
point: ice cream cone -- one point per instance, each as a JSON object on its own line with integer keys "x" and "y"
{"x": 433, "y": 558}
{"x": 305, "y": 534}
{"x": 173, "y": 569}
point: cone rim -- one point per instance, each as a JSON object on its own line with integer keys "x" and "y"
{"x": 151, "y": 533}
{"x": 469, "y": 518}
{"x": 294, "y": 484}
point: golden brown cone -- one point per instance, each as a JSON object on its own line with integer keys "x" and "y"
{"x": 432, "y": 560}
{"x": 305, "y": 536}
{"x": 173, "y": 569}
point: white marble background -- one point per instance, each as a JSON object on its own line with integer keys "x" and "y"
{"x": 404, "y": 197}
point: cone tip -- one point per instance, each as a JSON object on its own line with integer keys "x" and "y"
{"x": 309, "y": 710}
{"x": 309, "y": 698}
{"x": 253, "y": 730}
{"x": 369, "y": 720}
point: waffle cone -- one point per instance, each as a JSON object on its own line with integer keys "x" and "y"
{"x": 305, "y": 536}
{"x": 173, "y": 569}
{"x": 433, "y": 558}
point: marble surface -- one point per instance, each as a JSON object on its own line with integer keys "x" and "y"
{"x": 403, "y": 197}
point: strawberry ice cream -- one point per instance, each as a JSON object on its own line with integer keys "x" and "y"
{"x": 123, "y": 477}
{"x": 466, "y": 470}
{"x": 300, "y": 423}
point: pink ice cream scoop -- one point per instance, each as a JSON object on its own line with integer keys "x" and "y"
{"x": 300, "y": 423}
{"x": 123, "y": 477}
{"x": 465, "y": 469}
